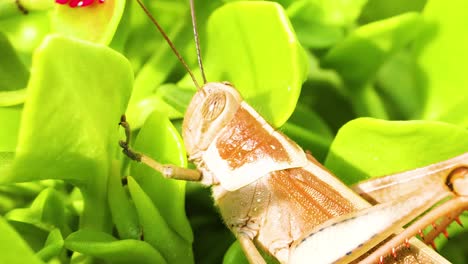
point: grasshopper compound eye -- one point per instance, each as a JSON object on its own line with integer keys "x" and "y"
{"x": 210, "y": 110}
{"x": 213, "y": 106}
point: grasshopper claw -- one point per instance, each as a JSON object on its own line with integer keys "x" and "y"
{"x": 125, "y": 144}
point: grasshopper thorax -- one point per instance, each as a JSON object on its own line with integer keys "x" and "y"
{"x": 211, "y": 108}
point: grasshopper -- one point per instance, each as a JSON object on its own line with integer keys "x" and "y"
{"x": 273, "y": 195}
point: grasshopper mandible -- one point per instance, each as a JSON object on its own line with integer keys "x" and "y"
{"x": 272, "y": 194}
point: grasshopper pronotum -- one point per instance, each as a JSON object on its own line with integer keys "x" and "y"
{"x": 272, "y": 194}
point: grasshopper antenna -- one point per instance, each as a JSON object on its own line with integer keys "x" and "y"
{"x": 197, "y": 40}
{"x": 163, "y": 33}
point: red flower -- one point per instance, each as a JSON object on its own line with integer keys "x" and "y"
{"x": 78, "y": 3}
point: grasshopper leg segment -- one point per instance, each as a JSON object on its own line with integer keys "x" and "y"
{"x": 167, "y": 170}
{"x": 248, "y": 246}
{"x": 457, "y": 181}
{"x": 414, "y": 229}
{"x": 125, "y": 144}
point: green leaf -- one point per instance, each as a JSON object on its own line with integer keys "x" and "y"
{"x": 34, "y": 236}
{"x": 358, "y": 57}
{"x": 137, "y": 113}
{"x": 367, "y": 102}
{"x": 235, "y": 255}
{"x": 76, "y": 94}
{"x": 397, "y": 84}
{"x": 443, "y": 60}
{"x": 320, "y": 24}
{"x": 8, "y": 203}
{"x": 103, "y": 19}
{"x": 307, "y": 129}
{"x": 105, "y": 246}
{"x": 27, "y": 189}
{"x": 14, "y": 249}
{"x": 159, "y": 139}
{"x": 143, "y": 101}
{"x": 380, "y": 9}
{"x": 18, "y": 195}
{"x": 10, "y": 119}
{"x": 308, "y": 119}
{"x": 14, "y": 8}
{"x": 324, "y": 92}
{"x": 455, "y": 248}
{"x": 123, "y": 31}
{"x": 90, "y": 93}
{"x": 46, "y": 212}
{"x": 155, "y": 54}
{"x": 253, "y": 46}
{"x": 341, "y": 12}
{"x": 162, "y": 61}
{"x": 155, "y": 62}
{"x": 176, "y": 97}
{"x": 368, "y": 147}
{"x": 13, "y": 74}
{"x": 53, "y": 246}
{"x": 12, "y": 98}
{"x": 26, "y": 33}
{"x": 123, "y": 211}
{"x": 212, "y": 238}
{"x": 156, "y": 230}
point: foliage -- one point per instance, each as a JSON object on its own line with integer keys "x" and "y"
{"x": 369, "y": 87}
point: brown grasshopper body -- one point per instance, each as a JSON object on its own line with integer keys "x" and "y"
{"x": 265, "y": 185}
{"x": 272, "y": 194}
{"x": 270, "y": 191}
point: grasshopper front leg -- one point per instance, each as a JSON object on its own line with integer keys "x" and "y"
{"x": 167, "y": 170}
{"x": 180, "y": 173}
{"x": 252, "y": 253}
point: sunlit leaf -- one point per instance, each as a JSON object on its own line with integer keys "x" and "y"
{"x": 367, "y": 147}
{"x": 14, "y": 249}
{"x": 13, "y": 74}
{"x": 358, "y": 57}
{"x": 266, "y": 64}
{"x": 156, "y": 230}
{"x": 320, "y": 24}
{"x": 106, "y": 247}
{"x": 68, "y": 128}
{"x": 97, "y": 22}
{"x": 443, "y": 58}
{"x": 160, "y": 140}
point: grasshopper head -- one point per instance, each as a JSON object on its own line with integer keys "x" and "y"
{"x": 211, "y": 108}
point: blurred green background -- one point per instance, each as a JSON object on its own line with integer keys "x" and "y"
{"x": 369, "y": 87}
